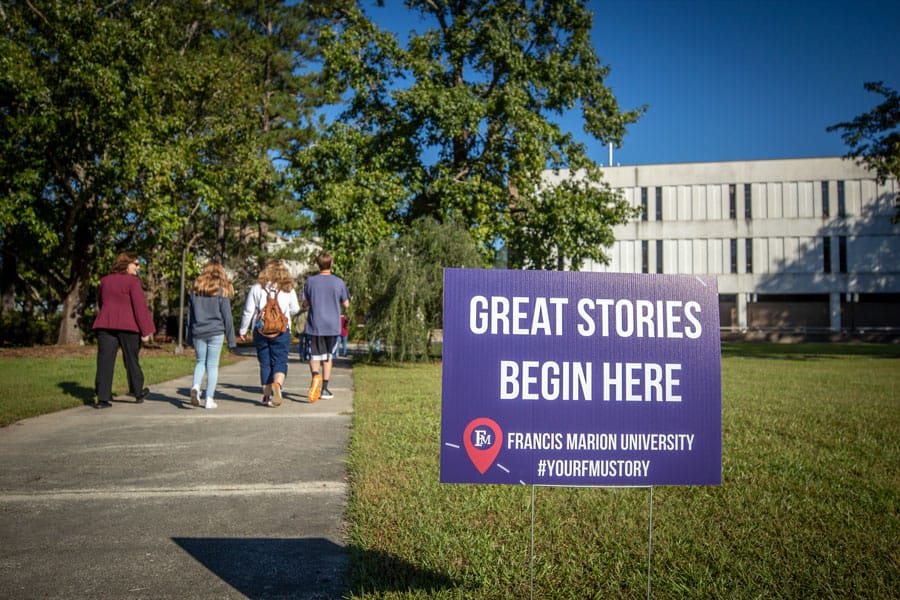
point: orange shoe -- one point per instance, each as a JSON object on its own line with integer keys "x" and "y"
{"x": 315, "y": 388}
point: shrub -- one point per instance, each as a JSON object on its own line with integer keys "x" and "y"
{"x": 19, "y": 328}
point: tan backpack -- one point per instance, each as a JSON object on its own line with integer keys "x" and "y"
{"x": 272, "y": 320}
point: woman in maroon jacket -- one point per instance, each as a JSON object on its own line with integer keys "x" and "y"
{"x": 123, "y": 321}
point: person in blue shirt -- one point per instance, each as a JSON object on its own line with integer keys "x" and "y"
{"x": 324, "y": 294}
{"x": 210, "y": 324}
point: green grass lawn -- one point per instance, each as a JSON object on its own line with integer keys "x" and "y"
{"x": 808, "y": 507}
{"x": 35, "y": 385}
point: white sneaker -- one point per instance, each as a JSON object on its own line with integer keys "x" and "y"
{"x": 210, "y": 404}
{"x": 195, "y": 396}
{"x": 276, "y": 395}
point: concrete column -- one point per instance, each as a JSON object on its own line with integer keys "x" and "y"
{"x": 742, "y": 311}
{"x": 834, "y": 299}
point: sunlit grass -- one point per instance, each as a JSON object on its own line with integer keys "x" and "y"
{"x": 31, "y": 386}
{"x": 808, "y": 507}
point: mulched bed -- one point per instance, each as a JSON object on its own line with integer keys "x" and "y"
{"x": 86, "y": 350}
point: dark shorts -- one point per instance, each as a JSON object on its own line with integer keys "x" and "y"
{"x": 321, "y": 347}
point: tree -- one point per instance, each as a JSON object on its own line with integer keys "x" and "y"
{"x": 399, "y": 285}
{"x": 240, "y": 103}
{"x": 356, "y": 199}
{"x": 144, "y": 126}
{"x": 280, "y": 94}
{"x": 874, "y": 137}
{"x": 465, "y": 117}
{"x": 75, "y": 100}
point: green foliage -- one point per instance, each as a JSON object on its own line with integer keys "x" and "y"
{"x": 187, "y": 130}
{"x": 354, "y": 207}
{"x": 156, "y": 128}
{"x": 874, "y": 136}
{"x": 398, "y": 286}
{"x": 460, "y": 123}
{"x": 75, "y": 95}
{"x": 20, "y": 328}
{"x": 577, "y": 212}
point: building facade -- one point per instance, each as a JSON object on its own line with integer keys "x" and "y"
{"x": 797, "y": 245}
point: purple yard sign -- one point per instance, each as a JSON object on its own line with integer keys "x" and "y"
{"x": 596, "y": 379}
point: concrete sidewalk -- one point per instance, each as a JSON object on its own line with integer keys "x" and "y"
{"x": 165, "y": 500}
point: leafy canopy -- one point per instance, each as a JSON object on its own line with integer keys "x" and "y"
{"x": 460, "y": 123}
{"x": 398, "y": 285}
{"x": 147, "y": 126}
{"x": 874, "y": 136}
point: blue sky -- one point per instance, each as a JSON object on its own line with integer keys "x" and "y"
{"x": 735, "y": 79}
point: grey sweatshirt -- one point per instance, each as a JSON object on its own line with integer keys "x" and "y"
{"x": 209, "y": 316}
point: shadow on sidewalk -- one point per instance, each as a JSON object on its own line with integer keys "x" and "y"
{"x": 274, "y": 568}
{"x": 304, "y": 568}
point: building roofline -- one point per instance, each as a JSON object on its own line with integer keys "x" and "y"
{"x": 710, "y": 162}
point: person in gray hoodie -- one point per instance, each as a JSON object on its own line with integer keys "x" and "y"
{"x": 210, "y": 324}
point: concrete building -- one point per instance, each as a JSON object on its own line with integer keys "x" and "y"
{"x": 797, "y": 245}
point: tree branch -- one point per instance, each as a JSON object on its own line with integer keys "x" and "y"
{"x": 37, "y": 12}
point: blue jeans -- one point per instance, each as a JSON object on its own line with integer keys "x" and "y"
{"x": 208, "y": 352}
{"x": 304, "y": 347}
{"x": 340, "y": 347}
{"x": 272, "y": 354}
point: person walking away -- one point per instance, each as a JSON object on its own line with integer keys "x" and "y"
{"x": 302, "y": 335}
{"x": 324, "y": 294}
{"x": 345, "y": 331}
{"x": 210, "y": 325}
{"x": 271, "y": 350}
{"x": 123, "y": 321}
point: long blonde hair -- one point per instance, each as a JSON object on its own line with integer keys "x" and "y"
{"x": 277, "y": 274}
{"x": 212, "y": 279}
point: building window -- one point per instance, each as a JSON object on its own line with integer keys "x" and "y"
{"x": 842, "y": 254}
{"x": 734, "y": 256}
{"x": 732, "y": 201}
{"x": 826, "y": 211}
{"x": 659, "y": 256}
{"x": 842, "y": 205}
{"x": 748, "y": 244}
{"x": 659, "y": 204}
{"x": 644, "y": 208}
{"x": 645, "y": 260}
{"x": 748, "y": 201}
{"x": 826, "y": 254}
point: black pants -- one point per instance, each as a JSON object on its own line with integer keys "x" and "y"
{"x": 108, "y": 343}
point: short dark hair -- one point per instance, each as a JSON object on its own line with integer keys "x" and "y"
{"x": 324, "y": 261}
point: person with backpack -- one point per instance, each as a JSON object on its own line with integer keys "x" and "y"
{"x": 209, "y": 325}
{"x": 271, "y": 303}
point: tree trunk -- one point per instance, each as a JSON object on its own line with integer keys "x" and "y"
{"x": 164, "y": 310}
{"x": 8, "y": 278}
{"x": 221, "y": 231}
{"x": 70, "y": 326}
{"x": 263, "y": 239}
